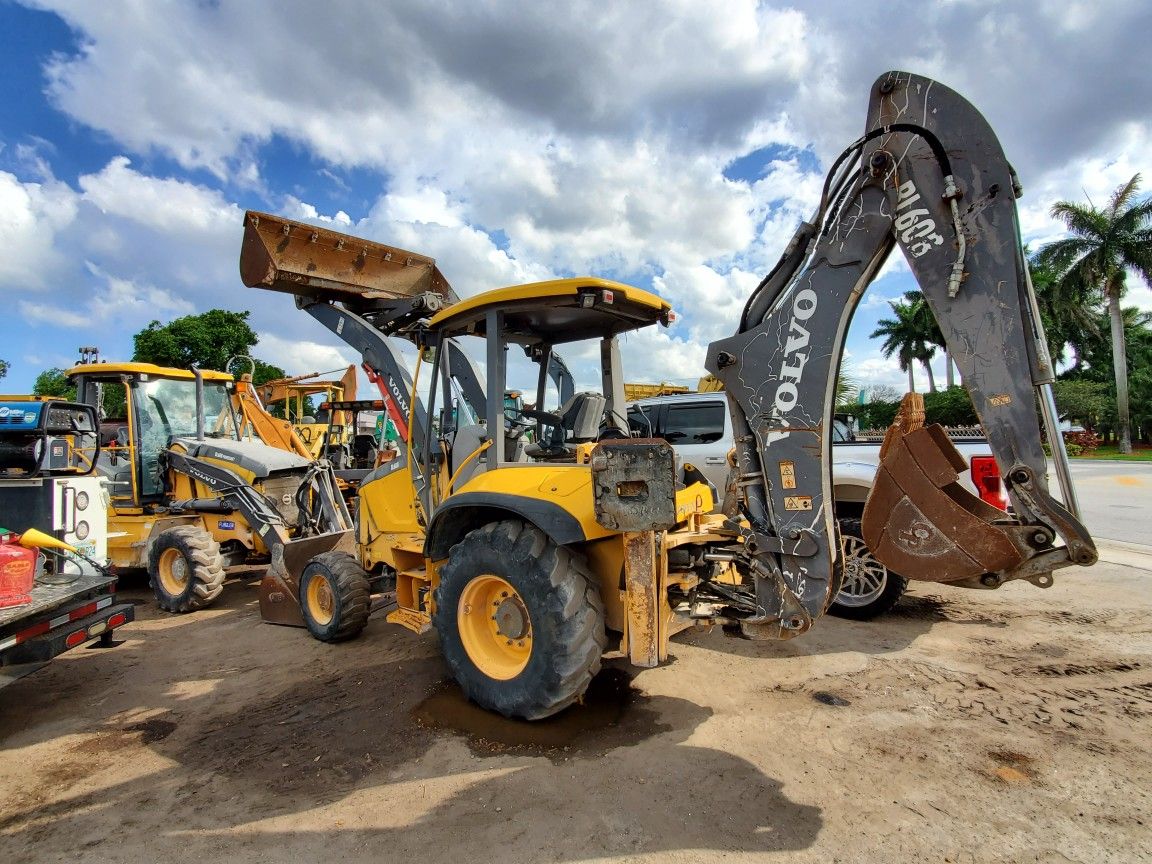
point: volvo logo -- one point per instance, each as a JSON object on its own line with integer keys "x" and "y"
{"x": 398, "y": 394}
{"x": 795, "y": 358}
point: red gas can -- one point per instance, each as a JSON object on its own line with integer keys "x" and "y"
{"x": 17, "y": 571}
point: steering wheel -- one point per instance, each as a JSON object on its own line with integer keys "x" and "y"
{"x": 515, "y": 424}
{"x": 546, "y": 419}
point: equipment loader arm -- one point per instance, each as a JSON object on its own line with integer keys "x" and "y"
{"x": 930, "y": 176}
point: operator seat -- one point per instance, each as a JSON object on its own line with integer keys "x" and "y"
{"x": 580, "y": 420}
{"x": 364, "y": 450}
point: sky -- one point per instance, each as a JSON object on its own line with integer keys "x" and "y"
{"x": 670, "y": 144}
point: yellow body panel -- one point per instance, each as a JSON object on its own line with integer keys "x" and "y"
{"x": 129, "y": 533}
{"x": 570, "y": 487}
{"x": 137, "y": 369}
{"x": 647, "y": 391}
{"x": 387, "y": 506}
{"x": 567, "y": 486}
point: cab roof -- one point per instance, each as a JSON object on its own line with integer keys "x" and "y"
{"x": 557, "y": 311}
{"x": 99, "y": 370}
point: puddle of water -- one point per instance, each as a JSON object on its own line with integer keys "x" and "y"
{"x": 152, "y": 730}
{"x": 613, "y": 714}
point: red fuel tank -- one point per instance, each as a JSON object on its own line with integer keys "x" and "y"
{"x": 17, "y": 571}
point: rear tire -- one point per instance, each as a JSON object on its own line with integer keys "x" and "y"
{"x": 335, "y": 597}
{"x": 868, "y": 588}
{"x": 520, "y": 620}
{"x": 185, "y": 568}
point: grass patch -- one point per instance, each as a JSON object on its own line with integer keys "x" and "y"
{"x": 1140, "y": 453}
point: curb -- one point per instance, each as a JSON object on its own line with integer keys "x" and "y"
{"x": 1129, "y": 554}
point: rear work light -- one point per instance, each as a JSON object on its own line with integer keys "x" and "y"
{"x": 986, "y": 479}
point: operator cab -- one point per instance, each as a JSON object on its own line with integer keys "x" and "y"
{"x": 146, "y": 407}
{"x": 537, "y": 318}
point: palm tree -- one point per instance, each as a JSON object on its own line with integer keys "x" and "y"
{"x": 931, "y": 334}
{"x": 1071, "y": 323}
{"x": 906, "y": 336}
{"x": 1105, "y": 244}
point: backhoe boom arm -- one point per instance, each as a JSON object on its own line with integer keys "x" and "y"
{"x": 930, "y": 177}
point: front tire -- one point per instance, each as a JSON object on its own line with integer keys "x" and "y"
{"x": 335, "y": 597}
{"x": 869, "y": 588}
{"x": 186, "y": 568}
{"x": 520, "y": 620}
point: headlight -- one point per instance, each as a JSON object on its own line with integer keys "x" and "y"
{"x": 81, "y": 500}
{"x": 82, "y": 530}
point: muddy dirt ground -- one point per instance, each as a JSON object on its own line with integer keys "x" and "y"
{"x": 1005, "y": 726}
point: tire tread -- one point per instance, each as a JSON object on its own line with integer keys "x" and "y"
{"x": 580, "y": 633}
{"x": 205, "y": 559}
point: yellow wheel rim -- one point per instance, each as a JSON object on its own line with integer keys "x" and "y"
{"x": 173, "y": 572}
{"x": 319, "y": 600}
{"x": 495, "y": 627}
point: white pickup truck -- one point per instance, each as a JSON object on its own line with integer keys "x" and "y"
{"x": 698, "y": 426}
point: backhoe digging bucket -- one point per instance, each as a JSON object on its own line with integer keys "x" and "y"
{"x": 280, "y": 587}
{"x": 301, "y": 259}
{"x": 922, "y": 524}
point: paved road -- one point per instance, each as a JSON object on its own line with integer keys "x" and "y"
{"x": 1115, "y": 498}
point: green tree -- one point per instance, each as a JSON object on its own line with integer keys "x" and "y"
{"x": 208, "y": 340}
{"x": 847, "y": 388}
{"x": 1069, "y": 322}
{"x": 932, "y": 335}
{"x": 910, "y": 336}
{"x": 3, "y": 368}
{"x": 1097, "y": 366}
{"x": 265, "y": 372}
{"x": 1084, "y": 401}
{"x": 52, "y": 382}
{"x": 950, "y": 407}
{"x": 876, "y": 415}
{"x": 1105, "y": 244}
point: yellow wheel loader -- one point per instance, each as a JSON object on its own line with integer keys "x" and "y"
{"x": 189, "y": 496}
{"x": 532, "y": 561}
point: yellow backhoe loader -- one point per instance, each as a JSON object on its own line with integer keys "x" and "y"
{"x": 191, "y": 495}
{"x": 533, "y": 561}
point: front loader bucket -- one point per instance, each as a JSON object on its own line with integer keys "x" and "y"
{"x": 304, "y": 260}
{"x": 919, "y": 522}
{"x": 280, "y": 587}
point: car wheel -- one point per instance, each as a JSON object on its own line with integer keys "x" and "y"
{"x": 868, "y": 588}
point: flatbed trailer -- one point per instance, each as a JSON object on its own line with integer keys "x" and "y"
{"x": 59, "y": 617}
{"x": 51, "y": 500}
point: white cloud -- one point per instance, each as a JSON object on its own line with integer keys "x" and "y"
{"x": 301, "y": 357}
{"x": 117, "y": 302}
{"x": 517, "y": 141}
{"x": 163, "y": 204}
{"x": 44, "y": 313}
{"x": 31, "y": 217}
